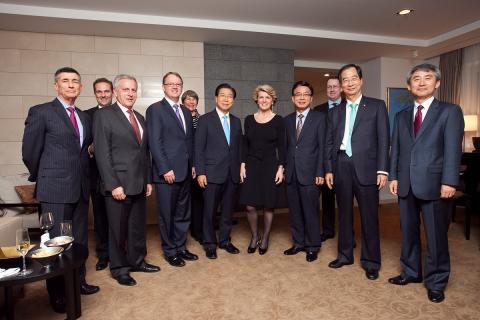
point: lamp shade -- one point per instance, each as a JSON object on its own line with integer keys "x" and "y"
{"x": 471, "y": 123}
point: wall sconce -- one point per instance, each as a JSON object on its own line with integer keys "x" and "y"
{"x": 471, "y": 124}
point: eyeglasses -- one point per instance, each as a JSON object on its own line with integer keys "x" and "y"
{"x": 302, "y": 95}
{"x": 171, "y": 84}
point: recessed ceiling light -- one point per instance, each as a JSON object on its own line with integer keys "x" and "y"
{"x": 404, "y": 12}
{"x": 326, "y": 75}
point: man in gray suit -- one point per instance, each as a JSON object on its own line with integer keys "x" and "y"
{"x": 54, "y": 149}
{"x": 123, "y": 160}
{"x": 424, "y": 169}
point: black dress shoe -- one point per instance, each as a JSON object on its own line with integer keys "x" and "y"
{"x": 436, "y": 296}
{"x": 175, "y": 261}
{"x": 312, "y": 256}
{"x": 101, "y": 264}
{"x": 371, "y": 274}
{"x": 125, "y": 280}
{"x": 146, "y": 267}
{"x": 262, "y": 251}
{"x": 86, "y": 289}
{"x": 324, "y": 237}
{"x": 211, "y": 253}
{"x": 58, "y": 304}
{"x": 401, "y": 281}
{"x": 230, "y": 248}
{"x": 335, "y": 264}
{"x": 187, "y": 255}
{"x": 293, "y": 250}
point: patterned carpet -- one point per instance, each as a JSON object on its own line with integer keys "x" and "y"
{"x": 275, "y": 286}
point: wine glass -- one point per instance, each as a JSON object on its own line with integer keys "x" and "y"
{"x": 23, "y": 244}
{"x": 66, "y": 228}
{"x": 46, "y": 223}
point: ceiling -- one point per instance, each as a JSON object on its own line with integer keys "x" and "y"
{"x": 323, "y": 33}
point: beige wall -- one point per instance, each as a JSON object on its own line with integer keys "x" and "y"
{"x": 28, "y": 61}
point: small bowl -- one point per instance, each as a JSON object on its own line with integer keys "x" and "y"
{"x": 46, "y": 256}
{"x": 62, "y": 241}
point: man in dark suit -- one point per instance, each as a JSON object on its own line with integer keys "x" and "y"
{"x": 217, "y": 163}
{"x": 170, "y": 132}
{"x": 103, "y": 90}
{"x": 357, "y": 148}
{"x": 328, "y": 195}
{"x": 424, "y": 169}
{"x": 304, "y": 171}
{"x": 123, "y": 160}
{"x": 54, "y": 149}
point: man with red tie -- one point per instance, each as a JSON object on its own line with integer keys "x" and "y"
{"x": 424, "y": 169}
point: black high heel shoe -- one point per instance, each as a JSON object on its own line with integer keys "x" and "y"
{"x": 252, "y": 249}
{"x": 261, "y": 250}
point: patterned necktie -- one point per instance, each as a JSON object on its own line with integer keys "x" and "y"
{"x": 134, "y": 124}
{"x": 417, "y": 124}
{"x": 177, "y": 112}
{"x": 73, "y": 120}
{"x": 226, "y": 128}
{"x": 299, "y": 125}
{"x": 353, "y": 115}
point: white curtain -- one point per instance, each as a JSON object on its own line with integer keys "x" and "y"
{"x": 470, "y": 93}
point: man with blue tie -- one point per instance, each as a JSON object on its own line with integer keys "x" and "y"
{"x": 356, "y": 161}
{"x": 170, "y": 133}
{"x": 55, "y": 142}
{"x": 334, "y": 94}
{"x": 424, "y": 169}
{"x": 217, "y": 163}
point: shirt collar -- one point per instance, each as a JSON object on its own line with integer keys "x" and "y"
{"x": 64, "y": 104}
{"x": 171, "y": 102}
{"x": 124, "y": 109}
{"x": 338, "y": 101}
{"x": 357, "y": 101}
{"x": 304, "y": 112}
{"x": 221, "y": 114}
{"x": 426, "y": 104}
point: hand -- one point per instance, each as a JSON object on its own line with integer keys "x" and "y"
{"x": 381, "y": 180}
{"x": 118, "y": 193}
{"x": 149, "y": 190}
{"x": 319, "y": 181}
{"x": 394, "y": 187}
{"x": 202, "y": 181}
{"x": 447, "y": 191}
{"x": 90, "y": 150}
{"x": 194, "y": 174}
{"x": 243, "y": 173}
{"x": 329, "y": 180}
{"x": 279, "y": 176}
{"x": 169, "y": 177}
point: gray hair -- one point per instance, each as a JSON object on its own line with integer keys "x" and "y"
{"x": 425, "y": 67}
{"x": 122, "y": 77}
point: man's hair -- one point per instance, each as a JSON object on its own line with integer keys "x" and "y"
{"x": 171, "y": 73}
{"x": 225, "y": 86}
{"x": 334, "y": 77}
{"x": 66, "y": 70}
{"x": 102, "y": 80}
{"x": 189, "y": 93}
{"x": 424, "y": 67}
{"x": 302, "y": 83}
{"x": 348, "y": 66}
{"x": 122, "y": 77}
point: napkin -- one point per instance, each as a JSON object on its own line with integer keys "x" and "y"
{"x": 8, "y": 272}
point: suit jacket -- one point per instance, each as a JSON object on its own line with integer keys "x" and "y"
{"x": 94, "y": 175}
{"x": 121, "y": 160}
{"x": 432, "y": 158}
{"x": 53, "y": 155}
{"x": 324, "y": 106}
{"x": 213, "y": 156}
{"x": 170, "y": 145}
{"x": 370, "y": 139}
{"x": 305, "y": 156}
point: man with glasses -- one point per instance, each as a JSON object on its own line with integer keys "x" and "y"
{"x": 304, "y": 171}
{"x": 356, "y": 163}
{"x": 170, "y": 133}
{"x": 218, "y": 141}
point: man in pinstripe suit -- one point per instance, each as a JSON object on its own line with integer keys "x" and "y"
{"x": 54, "y": 149}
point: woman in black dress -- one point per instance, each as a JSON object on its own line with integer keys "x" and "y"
{"x": 261, "y": 171}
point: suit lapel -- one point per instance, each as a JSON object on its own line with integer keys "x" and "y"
{"x": 341, "y": 122}
{"x": 430, "y": 118}
{"x": 219, "y": 125}
{"x": 85, "y": 125}
{"x": 361, "y": 113}
{"x": 62, "y": 113}
{"x": 306, "y": 124}
{"x": 409, "y": 121}
{"x": 124, "y": 121}
{"x": 172, "y": 113}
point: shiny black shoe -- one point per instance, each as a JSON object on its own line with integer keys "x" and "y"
{"x": 87, "y": 289}
{"x": 254, "y": 248}
{"x": 262, "y": 251}
{"x": 324, "y": 237}
{"x": 335, "y": 264}
{"x": 436, "y": 296}
{"x": 293, "y": 250}
{"x": 101, "y": 264}
{"x": 59, "y": 305}
{"x": 211, "y": 253}
{"x": 187, "y": 255}
{"x": 401, "y": 281}
{"x": 175, "y": 261}
{"x": 126, "y": 280}
{"x": 371, "y": 274}
{"x": 146, "y": 267}
{"x": 230, "y": 248}
{"x": 311, "y": 256}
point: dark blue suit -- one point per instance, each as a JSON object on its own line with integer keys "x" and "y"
{"x": 421, "y": 165}
{"x": 304, "y": 162}
{"x": 220, "y": 162}
{"x": 172, "y": 149}
{"x": 357, "y": 175}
